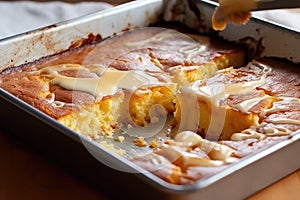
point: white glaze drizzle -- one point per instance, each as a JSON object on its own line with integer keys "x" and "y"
{"x": 109, "y": 81}
{"x": 246, "y": 105}
{"x": 281, "y": 105}
{"x": 214, "y": 90}
{"x": 247, "y": 134}
{"x": 284, "y": 121}
{"x": 215, "y": 93}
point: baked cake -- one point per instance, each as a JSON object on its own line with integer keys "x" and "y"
{"x": 222, "y": 108}
{"x": 259, "y": 107}
{"x": 97, "y": 89}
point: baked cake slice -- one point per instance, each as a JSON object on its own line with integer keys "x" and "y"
{"x": 234, "y": 100}
{"x": 254, "y": 107}
{"x": 174, "y": 57}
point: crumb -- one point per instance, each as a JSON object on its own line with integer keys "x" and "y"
{"x": 140, "y": 142}
{"x": 120, "y": 138}
{"x": 129, "y": 126}
{"x": 111, "y": 147}
{"x": 153, "y": 144}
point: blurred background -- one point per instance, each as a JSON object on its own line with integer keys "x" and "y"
{"x": 75, "y": 1}
{"x": 39, "y": 13}
{"x": 22, "y": 16}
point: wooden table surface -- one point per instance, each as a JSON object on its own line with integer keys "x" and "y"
{"x": 26, "y": 174}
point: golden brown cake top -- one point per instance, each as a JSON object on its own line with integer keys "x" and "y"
{"x": 139, "y": 57}
{"x": 157, "y": 49}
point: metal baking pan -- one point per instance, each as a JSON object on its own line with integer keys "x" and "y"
{"x": 109, "y": 172}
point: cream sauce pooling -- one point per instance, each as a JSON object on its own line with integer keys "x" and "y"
{"x": 109, "y": 81}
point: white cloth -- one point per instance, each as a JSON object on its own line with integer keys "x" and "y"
{"x": 22, "y": 16}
